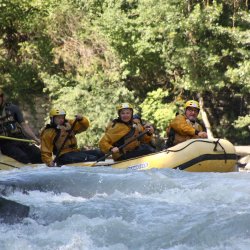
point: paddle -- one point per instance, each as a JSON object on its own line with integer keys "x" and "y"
{"x": 66, "y": 138}
{"x": 121, "y": 147}
{"x": 16, "y": 139}
{"x": 6, "y": 164}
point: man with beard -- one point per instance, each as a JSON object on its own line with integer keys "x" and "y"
{"x": 186, "y": 126}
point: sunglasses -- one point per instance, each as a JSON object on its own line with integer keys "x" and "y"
{"x": 193, "y": 110}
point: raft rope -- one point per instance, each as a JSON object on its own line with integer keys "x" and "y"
{"x": 9, "y": 165}
{"x": 177, "y": 150}
{"x": 215, "y": 148}
{"x": 213, "y": 142}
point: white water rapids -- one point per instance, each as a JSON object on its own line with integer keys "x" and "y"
{"x": 104, "y": 208}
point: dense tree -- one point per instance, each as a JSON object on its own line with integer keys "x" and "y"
{"x": 191, "y": 49}
{"x": 24, "y": 48}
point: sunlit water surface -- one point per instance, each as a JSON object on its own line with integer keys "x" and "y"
{"x": 105, "y": 208}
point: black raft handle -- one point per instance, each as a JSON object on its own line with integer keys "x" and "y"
{"x": 215, "y": 149}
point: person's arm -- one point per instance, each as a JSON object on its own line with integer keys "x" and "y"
{"x": 150, "y": 128}
{"x": 111, "y": 136}
{"x": 29, "y": 133}
{"x": 147, "y": 138}
{"x": 81, "y": 125}
{"x": 180, "y": 126}
{"x": 47, "y": 138}
{"x": 18, "y": 116}
{"x": 105, "y": 143}
{"x": 202, "y": 133}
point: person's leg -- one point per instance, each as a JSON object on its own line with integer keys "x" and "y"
{"x": 143, "y": 149}
{"x": 32, "y": 152}
{"x": 74, "y": 157}
{"x": 14, "y": 150}
{"x": 94, "y": 152}
{"x": 148, "y": 149}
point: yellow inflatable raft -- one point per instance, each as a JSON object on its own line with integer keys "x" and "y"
{"x": 197, "y": 155}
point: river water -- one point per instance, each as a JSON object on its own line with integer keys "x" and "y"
{"x": 105, "y": 208}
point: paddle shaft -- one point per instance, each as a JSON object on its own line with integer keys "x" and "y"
{"x": 124, "y": 145}
{"x": 16, "y": 139}
{"x": 66, "y": 138}
{"x": 6, "y": 164}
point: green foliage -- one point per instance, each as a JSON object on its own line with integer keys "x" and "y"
{"x": 87, "y": 97}
{"x": 131, "y": 29}
{"x": 242, "y": 124}
{"x": 242, "y": 121}
{"x": 240, "y": 75}
{"x": 20, "y": 50}
{"x": 156, "y": 111}
{"x": 88, "y": 82}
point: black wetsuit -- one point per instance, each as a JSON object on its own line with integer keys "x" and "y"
{"x": 10, "y": 125}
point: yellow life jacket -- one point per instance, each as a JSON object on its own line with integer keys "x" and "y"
{"x": 53, "y": 137}
{"x": 62, "y": 132}
{"x": 118, "y": 133}
{"x": 174, "y": 137}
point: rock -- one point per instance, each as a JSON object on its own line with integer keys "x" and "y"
{"x": 242, "y": 150}
{"x": 12, "y": 212}
{"x": 243, "y": 153}
{"x": 247, "y": 166}
{"x": 243, "y": 161}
